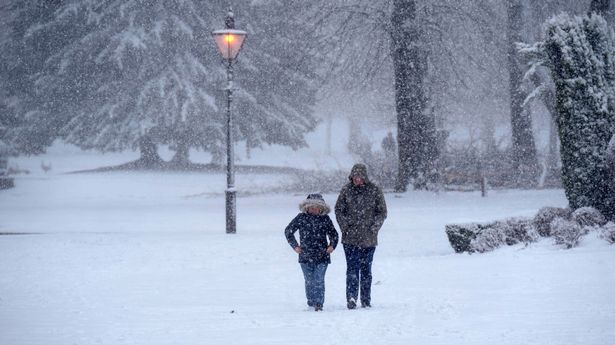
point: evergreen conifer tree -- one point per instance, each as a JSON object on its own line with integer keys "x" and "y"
{"x": 580, "y": 52}
{"x": 125, "y": 74}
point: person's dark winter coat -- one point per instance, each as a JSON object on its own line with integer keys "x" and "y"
{"x": 313, "y": 232}
{"x": 360, "y": 210}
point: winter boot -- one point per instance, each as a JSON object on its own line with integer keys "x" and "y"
{"x": 351, "y": 303}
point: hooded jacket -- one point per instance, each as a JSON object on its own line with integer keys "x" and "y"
{"x": 314, "y": 230}
{"x": 360, "y": 211}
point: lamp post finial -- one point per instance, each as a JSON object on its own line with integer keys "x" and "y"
{"x": 229, "y": 21}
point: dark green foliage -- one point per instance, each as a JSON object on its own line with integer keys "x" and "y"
{"x": 580, "y": 53}
{"x": 461, "y": 237}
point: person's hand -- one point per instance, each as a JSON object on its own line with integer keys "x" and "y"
{"x": 330, "y": 249}
{"x": 298, "y": 250}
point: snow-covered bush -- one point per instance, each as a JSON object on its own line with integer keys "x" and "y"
{"x": 588, "y": 216}
{"x": 518, "y": 230}
{"x": 566, "y": 232}
{"x": 460, "y": 236}
{"x": 490, "y": 238}
{"x": 546, "y": 215}
{"x": 475, "y": 237}
{"x": 607, "y": 232}
{"x": 566, "y": 227}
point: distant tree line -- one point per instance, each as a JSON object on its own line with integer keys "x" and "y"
{"x": 132, "y": 74}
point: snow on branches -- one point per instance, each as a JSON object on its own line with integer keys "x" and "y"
{"x": 579, "y": 52}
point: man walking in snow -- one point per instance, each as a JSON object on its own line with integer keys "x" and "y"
{"x": 360, "y": 211}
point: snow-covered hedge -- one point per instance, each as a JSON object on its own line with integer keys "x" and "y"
{"x": 566, "y": 227}
{"x": 607, "y": 232}
{"x": 460, "y": 236}
{"x": 567, "y": 232}
{"x": 475, "y": 237}
{"x": 544, "y": 217}
{"x": 588, "y": 216}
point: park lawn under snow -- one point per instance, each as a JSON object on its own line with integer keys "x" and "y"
{"x": 142, "y": 258}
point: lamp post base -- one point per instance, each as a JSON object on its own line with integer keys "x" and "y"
{"x": 231, "y": 214}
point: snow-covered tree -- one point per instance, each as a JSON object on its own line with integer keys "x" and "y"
{"x": 22, "y": 59}
{"x": 426, "y": 56}
{"x": 580, "y": 52}
{"x": 523, "y": 146}
{"x": 541, "y": 86}
{"x": 277, "y": 74}
{"x": 601, "y": 7}
{"x": 140, "y": 73}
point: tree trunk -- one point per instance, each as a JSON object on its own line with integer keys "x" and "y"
{"x": 328, "y": 149}
{"x": 548, "y": 100}
{"x": 181, "y": 158}
{"x": 149, "y": 153}
{"x": 553, "y": 155}
{"x": 415, "y": 131}
{"x": 610, "y": 159}
{"x": 524, "y": 157}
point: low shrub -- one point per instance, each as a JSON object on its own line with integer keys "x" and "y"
{"x": 607, "y": 232}
{"x": 490, "y": 238}
{"x": 519, "y": 230}
{"x": 588, "y": 216}
{"x": 460, "y": 236}
{"x": 546, "y": 215}
{"x": 475, "y": 237}
{"x": 567, "y": 232}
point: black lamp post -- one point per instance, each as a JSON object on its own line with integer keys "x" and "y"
{"x": 229, "y": 42}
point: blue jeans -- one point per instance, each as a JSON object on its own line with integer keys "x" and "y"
{"x": 314, "y": 274}
{"x": 359, "y": 271}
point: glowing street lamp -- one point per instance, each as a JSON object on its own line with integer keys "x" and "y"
{"x": 229, "y": 42}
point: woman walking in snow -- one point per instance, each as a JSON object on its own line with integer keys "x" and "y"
{"x": 317, "y": 240}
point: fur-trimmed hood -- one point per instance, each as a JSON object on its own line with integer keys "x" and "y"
{"x": 314, "y": 199}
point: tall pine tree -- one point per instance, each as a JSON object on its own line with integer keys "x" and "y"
{"x": 22, "y": 60}
{"x": 141, "y": 73}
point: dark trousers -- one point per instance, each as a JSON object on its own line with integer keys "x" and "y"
{"x": 359, "y": 272}
{"x": 314, "y": 274}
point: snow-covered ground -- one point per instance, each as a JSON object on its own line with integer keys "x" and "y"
{"x": 143, "y": 258}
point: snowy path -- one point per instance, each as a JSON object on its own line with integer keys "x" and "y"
{"x": 143, "y": 259}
